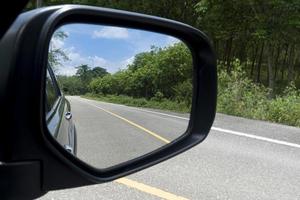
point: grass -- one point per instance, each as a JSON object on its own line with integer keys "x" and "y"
{"x": 283, "y": 110}
{"x": 163, "y": 104}
{"x": 251, "y": 105}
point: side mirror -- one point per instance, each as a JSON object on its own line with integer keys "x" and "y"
{"x": 114, "y": 148}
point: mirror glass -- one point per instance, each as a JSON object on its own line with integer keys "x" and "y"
{"x": 114, "y": 94}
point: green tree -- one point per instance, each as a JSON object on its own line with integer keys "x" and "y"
{"x": 56, "y": 55}
{"x": 71, "y": 85}
{"x": 98, "y": 72}
{"x": 83, "y": 72}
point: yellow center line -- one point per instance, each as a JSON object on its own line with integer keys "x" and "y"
{"x": 149, "y": 189}
{"x": 134, "y": 184}
{"x": 133, "y": 124}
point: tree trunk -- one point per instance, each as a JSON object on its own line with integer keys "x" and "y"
{"x": 216, "y": 44}
{"x": 242, "y": 50}
{"x": 225, "y": 45}
{"x": 270, "y": 69}
{"x": 276, "y": 62}
{"x": 284, "y": 62}
{"x": 259, "y": 62}
{"x": 228, "y": 55}
{"x": 39, "y": 3}
{"x": 291, "y": 64}
{"x": 254, "y": 60}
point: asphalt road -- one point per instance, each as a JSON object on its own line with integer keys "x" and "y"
{"x": 240, "y": 159}
{"x": 108, "y": 134}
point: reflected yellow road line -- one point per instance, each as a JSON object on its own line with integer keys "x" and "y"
{"x": 134, "y": 184}
{"x": 149, "y": 189}
{"x": 132, "y": 123}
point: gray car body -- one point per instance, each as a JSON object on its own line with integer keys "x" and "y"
{"x": 59, "y": 120}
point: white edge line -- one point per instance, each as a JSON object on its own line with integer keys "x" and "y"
{"x": 226, "y": 130}
{"x": 257, "y": 137}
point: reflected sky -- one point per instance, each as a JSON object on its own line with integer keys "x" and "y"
{"x": 109, "y": 47}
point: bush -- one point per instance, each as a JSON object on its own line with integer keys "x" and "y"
{"x": 286, "y": 109}
{"x": 158, "y": 96}
{"x": 240, "y": 96}
{"x": 184, "y": 92}
{"x": 163, "y": 104}
{"x": 71, "y": 85}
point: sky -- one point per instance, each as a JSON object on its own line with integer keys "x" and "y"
{"x": 112, "y": 48}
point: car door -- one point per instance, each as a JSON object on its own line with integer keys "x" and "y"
{"x": 58, "y": 114}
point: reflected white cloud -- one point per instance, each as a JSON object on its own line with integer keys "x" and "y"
{"x": 111, "y": 33}
{"x": 66, "y": 71}
{"x": 123, "y": 64}
{"x": 80, "y": 46}
{"x": 56, "y": 43}
{"x": 140, "y": 43}
{"x": 171, "y": 40}
{"x": 68, "y": 68}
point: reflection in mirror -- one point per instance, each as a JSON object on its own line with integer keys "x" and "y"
{"x": 114, "y": 94}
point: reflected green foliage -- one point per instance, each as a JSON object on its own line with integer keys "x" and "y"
{"x": 160, "y": 78}
{"x": 71, "y": 85}
{"x": 56, "y": 55}
{"x": 77, "y": 84}
{"x": 86, "y": 74}
{"x": 162, "y": 104}
{"x": 159, "y": 74}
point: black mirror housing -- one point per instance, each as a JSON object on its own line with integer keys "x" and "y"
{"x": 24, "y": 61}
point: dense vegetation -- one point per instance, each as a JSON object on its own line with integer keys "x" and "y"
{"x": 161, "y": 79}
{"x": 78, "y": 84}
{"x": 258, "y": 48}
{"x": 239, "y": 95}
{"x": 160, "y": 75}
{"x": 264, "y": 35}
